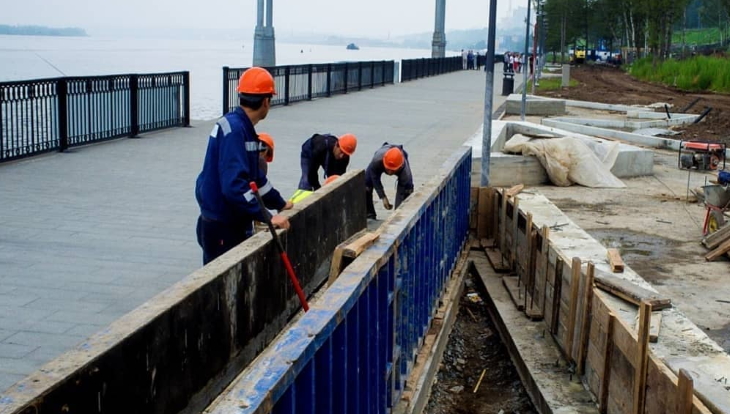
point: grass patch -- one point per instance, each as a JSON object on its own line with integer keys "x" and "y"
{"x": 700, "y": 73}
{"x": 550, "y": 84}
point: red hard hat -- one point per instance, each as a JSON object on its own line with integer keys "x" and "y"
{"x": 393, "y": 159}
{"x": 268, "y": 140}
{"x": 347, "y": 143}
{"x": 256, "y": 81}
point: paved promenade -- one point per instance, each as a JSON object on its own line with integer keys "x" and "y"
{"x": 92, "y": 233}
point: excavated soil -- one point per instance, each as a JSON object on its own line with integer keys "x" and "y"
{"x": 607, "y": 84}
{"x": 474, "y": 347}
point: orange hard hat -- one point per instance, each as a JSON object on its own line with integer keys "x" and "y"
{"x": 256, "y": 81}
{"x": 393, "y": 159}
{"x": 269, "y": 141}
{"x": 347, "y": 143}
{"x": 330, "y": 179}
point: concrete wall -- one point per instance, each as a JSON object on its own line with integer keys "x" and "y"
{"x": 180, "y": 349}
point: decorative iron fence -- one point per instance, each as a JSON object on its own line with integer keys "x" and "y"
{"x": 297, "y": 83}
{"x": 356, "y": 346}
{"x": 420, "y": 68}
{"x": 43, "y": 115}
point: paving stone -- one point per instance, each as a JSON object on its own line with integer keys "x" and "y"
{"x": 8, "y": 350}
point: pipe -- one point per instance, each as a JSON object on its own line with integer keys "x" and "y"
{"x": 703, "y": 115}
{"x": 489, "y": 94}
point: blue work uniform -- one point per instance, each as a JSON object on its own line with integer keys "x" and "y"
{"x": 374, "y": 172}
{"x": 317, "y": 152}
{"x": 227, "y": 204}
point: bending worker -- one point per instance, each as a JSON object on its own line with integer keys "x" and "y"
{"x": 227, "y": 204}
{"x": 328, "y": 152}
{"x": 391, "y": 160}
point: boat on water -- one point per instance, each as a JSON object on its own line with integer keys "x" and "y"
{"x": 352, "y": 46}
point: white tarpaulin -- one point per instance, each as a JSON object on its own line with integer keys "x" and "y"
{"x": 571, "y": 160}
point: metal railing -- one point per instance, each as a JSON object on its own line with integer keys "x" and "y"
{"x": 420, "y": 68}
{"x": 43, "y": 115}
{"x": 356, "y": 346}
{"x": 296, "y": 83}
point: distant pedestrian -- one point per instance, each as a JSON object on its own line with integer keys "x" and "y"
{"x": 227, "y": 204}
{"x": 391, "y": 160}
{"x": 464, "y": 55}
{"x": 327, "y": 151}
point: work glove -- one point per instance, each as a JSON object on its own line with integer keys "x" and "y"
{"x": 386, "y": 204}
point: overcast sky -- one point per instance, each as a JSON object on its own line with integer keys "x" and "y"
{"x": 372, "y": 18}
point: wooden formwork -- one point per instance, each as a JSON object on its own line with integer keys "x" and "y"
{"x": 611, "y": 357}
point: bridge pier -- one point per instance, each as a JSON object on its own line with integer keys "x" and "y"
{"x": 438, "y": 45}
{"x": 264, "y": 44}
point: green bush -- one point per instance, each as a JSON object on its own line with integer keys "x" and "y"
{"x": 699, "y": 73}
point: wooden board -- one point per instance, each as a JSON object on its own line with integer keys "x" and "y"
{"x": 511, "y": 283}
{"x": 496, "y": 259}
{"x": 484, "y": 207}
{"x": 514, "y": 190}
{"x": 640, "y": 366}
{"x": 358, "y": 246}
{"x": 719, "y": 251}
{"x": 614, "y": 259}
{"x": 717, "y": 238}
{"x": 630, "y": 292}
{"x": 656, "y": 325}
{"x": 339, "y": 260}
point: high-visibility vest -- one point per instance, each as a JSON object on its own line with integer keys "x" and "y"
{"x": 300, "y": 195}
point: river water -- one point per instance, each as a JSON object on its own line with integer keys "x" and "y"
{"x": 32, "y": 57}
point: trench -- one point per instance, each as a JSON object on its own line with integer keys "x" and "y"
{"x": 475, "y": 346}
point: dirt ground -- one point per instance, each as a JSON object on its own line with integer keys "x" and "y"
{"x": 475, "y": 346}
{"x": 657, "y": 230}
{"x": 607, "y": 84}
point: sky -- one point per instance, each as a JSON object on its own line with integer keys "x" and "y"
{"x": 366, "y": 18}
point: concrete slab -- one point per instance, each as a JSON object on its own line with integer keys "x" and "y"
{"x": 535, "y": 105}
{"x": 508, "y": 169}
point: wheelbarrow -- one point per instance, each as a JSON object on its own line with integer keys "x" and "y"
{"x": 717, "y": 201}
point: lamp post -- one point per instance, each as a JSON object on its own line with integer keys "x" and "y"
{"x": 524, "y": 70}
{"x": 489, "y": 94}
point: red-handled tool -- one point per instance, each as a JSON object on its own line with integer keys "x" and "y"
{"x": 282, "y": 252}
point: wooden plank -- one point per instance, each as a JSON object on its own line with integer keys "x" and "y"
{"x": 483, "y": 218}
{"x": 514, "y": 190}
{"x": 339, "y": 261}
{"x": 630, "y": 292}
{"x": 495, "y": 217}
{"x": 672, "y": 385}
{"x": 685, "y": 392}
{"x": 719, "y": 251}
{"x": 656, "y": 325}
{"x": 545, "y": 263}
{"x": 354, "y": 249}
{"x": 336, "y": 265}
{"x": 558, "y": 287}
{"x": 585, "y": 329}
{"x": 496, "y": 259}
{"x": 640, "y": 366}
{"x": 515, "y": 231}
{"x": 527, "y": 257}
{"x": 473, "y": 207}
{"x": 717, "y": 238}
{"x": 511, "y": 284}
{"x": 625, "y": 340}
{"x": 573, "y": 307}
{"x": 503, "y": 223}
{"x": 607, "y": 354}
{"x": 615, "y": 260}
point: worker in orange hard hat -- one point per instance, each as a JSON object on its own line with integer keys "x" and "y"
{"x": 228, "y": 207}
{"x": 267, "y": 151}
{"x": 391, "y": 160}
{"x": 326, "y": 151}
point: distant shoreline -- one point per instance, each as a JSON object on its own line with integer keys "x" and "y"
{"x": 42, "y": 31}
